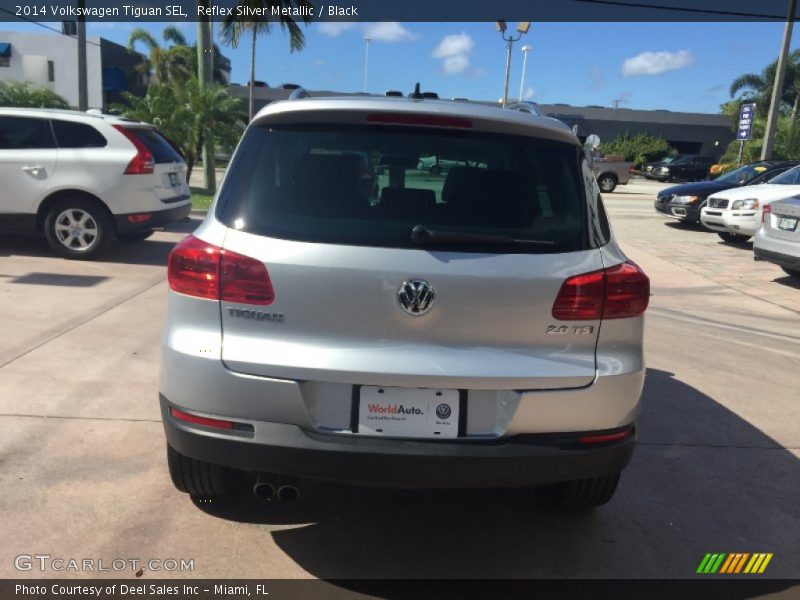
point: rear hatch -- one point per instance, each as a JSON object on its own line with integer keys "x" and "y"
{"x": 425, "y": 279}
{"x": 784, "y": 222}
{"x": 168, "y": 174}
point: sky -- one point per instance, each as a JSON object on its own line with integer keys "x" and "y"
{"x": 673, "y": 66}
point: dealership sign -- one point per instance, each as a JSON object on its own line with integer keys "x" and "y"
{"x": 746, "y": 114}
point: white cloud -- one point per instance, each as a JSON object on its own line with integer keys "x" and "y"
{"x": 318, "y": 63}
{"x": 335, "y": 28}
{"x": 655, "y": 63}
{"x": 454, "y": 50}
{"x": 389, "y": 31}
{"x": 384, "y": 31}
{"x": 529, "y": 93}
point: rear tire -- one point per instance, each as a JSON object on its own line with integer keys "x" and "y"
{"x": 197, "y": 477}
{"x": 78, "y": 228}
{"x": 136, "y": 236}
{"x": 733, "y": 238}
{"x": 584, "y": 493}
{"x": 792, "y": 272}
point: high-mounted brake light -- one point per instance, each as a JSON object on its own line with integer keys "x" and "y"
{"x": 615, "y": 293}
{"x": 421, "y": 120}
{"x": 197, "y": 268}
{"x": 143, "y": 163}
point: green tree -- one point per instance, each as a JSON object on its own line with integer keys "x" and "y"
{"x": 166, "y": 64}
{"x": 233, "y": 28}
{"x": 25, "y": 95}
{"x": 757, "y": 87}
{"x": 639, "y": 148}
{"x": 188, "y": 114}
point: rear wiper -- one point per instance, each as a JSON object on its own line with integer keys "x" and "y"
{"x": 422, "y": 235}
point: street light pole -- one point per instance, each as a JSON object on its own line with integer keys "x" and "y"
{"x": 522, "y": 29}
{"x": 367, "y": 41}
{"x": 777, "y": 89}
{"x": 509, "y": 45}
{"x": 525, "y": 49}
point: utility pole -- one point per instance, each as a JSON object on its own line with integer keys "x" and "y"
{"x": 367, "y": 41}
{"x": 205, "y": 74}
{"x": 83, "y": 87}
{"x": 522, "y": 29}
{"x": 777, "y": 89}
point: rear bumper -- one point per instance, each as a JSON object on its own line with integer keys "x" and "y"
{"x": 158, "y": 218}
{"x": 778, "y": 258}
{"x": 290, "y": 450}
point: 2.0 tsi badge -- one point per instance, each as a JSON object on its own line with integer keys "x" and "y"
{"x": 416, "y": 296}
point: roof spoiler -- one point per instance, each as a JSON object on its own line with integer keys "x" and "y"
{"x": 299, "y": 93}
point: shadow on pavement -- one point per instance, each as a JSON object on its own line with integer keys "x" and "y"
{"x": 149, "y": 252}
{"x": 788, "y": 281}
{"x": 702, "y": 480}
{"x": 686, "y": 226}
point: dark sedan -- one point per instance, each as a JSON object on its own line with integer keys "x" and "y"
{"x": 648, "y": 168}
{"x": 683, "y": 202}
{"x": 686, "y": 168}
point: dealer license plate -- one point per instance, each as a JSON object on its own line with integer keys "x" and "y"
{"x": 408, "y": 412}
{"x": 174, "y": 181}
{"x": 787, "y": 223}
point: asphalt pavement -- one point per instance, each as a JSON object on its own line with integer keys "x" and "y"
{"x": 83, "y": 470}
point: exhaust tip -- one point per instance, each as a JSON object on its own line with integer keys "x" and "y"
{"x": 264, "y": 490}
{"x": 288, "y": 493}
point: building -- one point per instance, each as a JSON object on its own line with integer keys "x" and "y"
{"x": 691, "y": 133}
{"x": 51, "y": 61}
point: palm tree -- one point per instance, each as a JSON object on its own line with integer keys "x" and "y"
{"x": 234, "y": 27}
{"x": 166, "y": 63}
{"x": 757, "y": 87}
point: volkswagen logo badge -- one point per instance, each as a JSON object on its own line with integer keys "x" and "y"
{"x": 443, "y": 411}
{"x": 416, "y": 296}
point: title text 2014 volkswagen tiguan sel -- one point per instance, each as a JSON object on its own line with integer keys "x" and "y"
{"x": 344, "y": 315}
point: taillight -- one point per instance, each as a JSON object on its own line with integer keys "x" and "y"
{"x": 615, "y": 293}
{"x": 197, "y": 268}
{"x": 765, "y": 212}
{"x": 244, "y": 280}
{"x": 193, "y": 269}
{"x": 143, "y": 163}
{"x": 627, "y": 292}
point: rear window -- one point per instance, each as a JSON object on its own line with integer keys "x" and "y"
{"x": 371, "y": 186}
{"x": 77, "y": 135}
{"x": 163, "y": 151}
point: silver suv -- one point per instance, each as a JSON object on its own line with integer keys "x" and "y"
{"x": 345, "y": 315}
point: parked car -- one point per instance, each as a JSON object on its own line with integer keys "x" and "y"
{"x": 687, "y": 168}
{"x": 736, "y": 214}
{"x": 83, "y": 180}
{"x": 647, "y": 168}
{"x": 778, "y": 239}
{"x": 610, "y": 174}
{"x": 684, "y": 202}
{"x": 313, "y": 334}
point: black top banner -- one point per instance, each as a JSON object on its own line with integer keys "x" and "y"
{"x": 407, "y": 10}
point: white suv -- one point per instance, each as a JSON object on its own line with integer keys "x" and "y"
{"x": 84, "y": 179}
